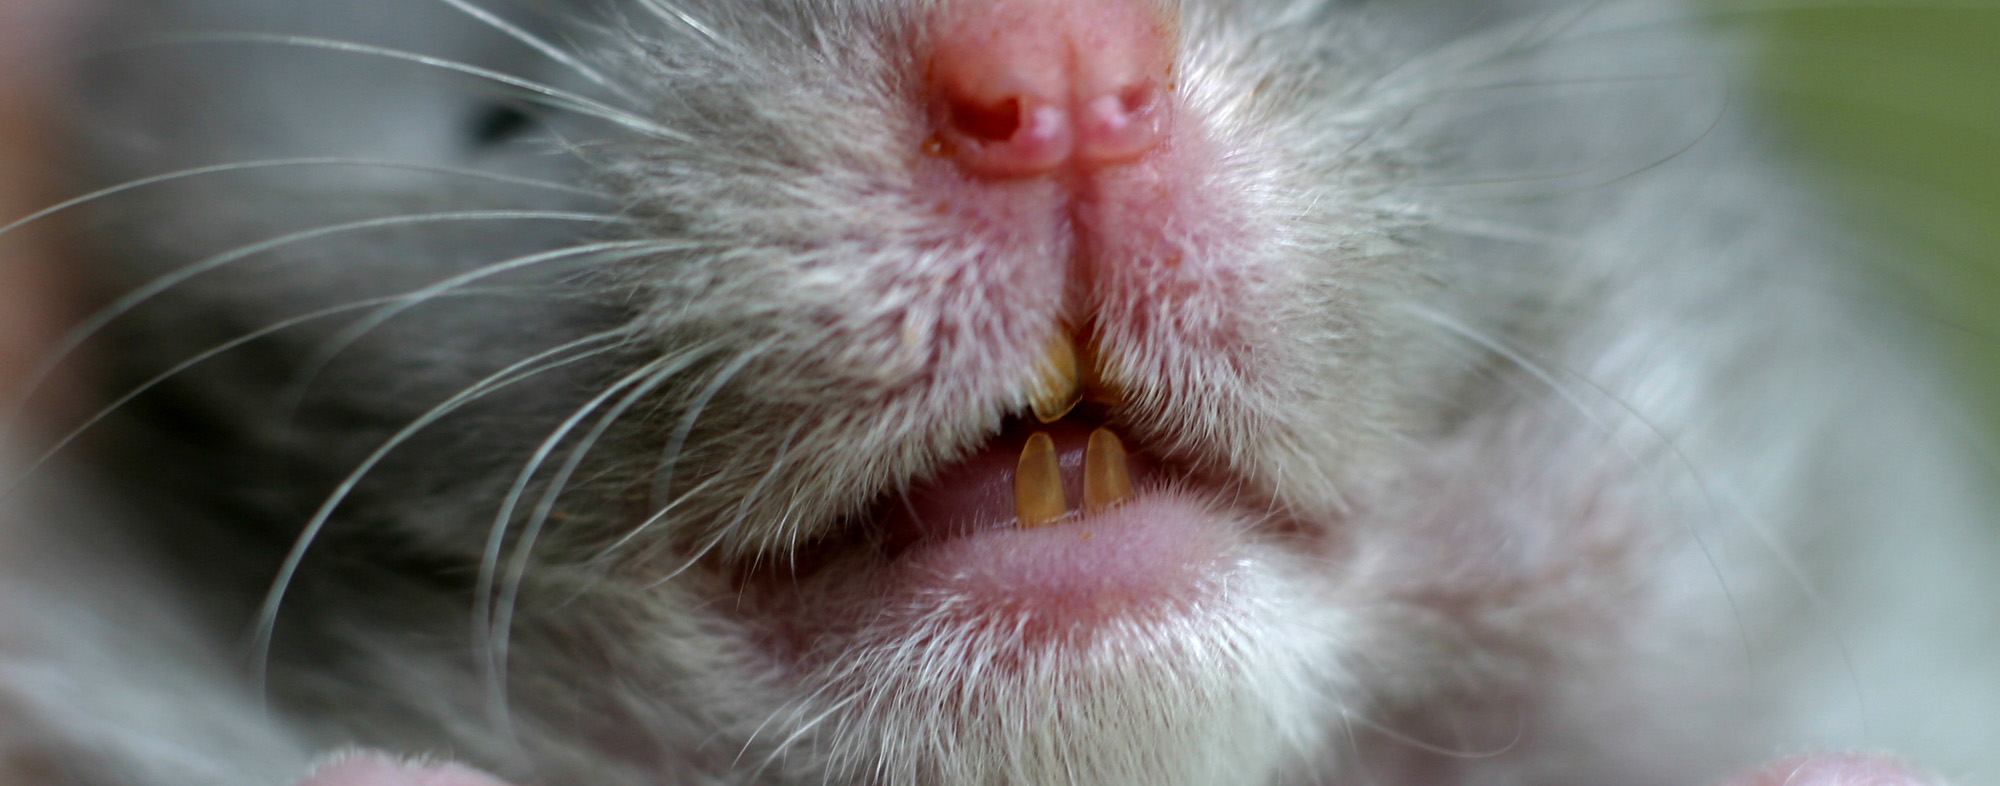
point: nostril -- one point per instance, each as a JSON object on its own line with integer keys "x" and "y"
{"x": 987, "y": 122}
{"x": 1013, "y": 137}
{"x": 1025, "y": 88}
{"x": 1138, "y": 99}
{"x": 1000, "y": 104}
{"x": 1121, "y": 126}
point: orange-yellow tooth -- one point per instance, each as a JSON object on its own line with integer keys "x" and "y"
{"x": 1038, "y": 492}
{"x": 1061, "y": 383}
{"x": 1107, "y": 478}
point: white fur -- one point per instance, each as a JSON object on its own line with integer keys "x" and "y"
{"x": 1600, "y": 480}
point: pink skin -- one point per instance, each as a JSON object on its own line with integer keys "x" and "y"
{"x": 1031, "y": 87}
{"x": 374, "y": 770}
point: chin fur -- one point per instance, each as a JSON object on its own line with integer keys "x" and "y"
{"x": 1499, "y": 363}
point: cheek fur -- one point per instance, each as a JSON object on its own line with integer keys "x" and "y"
{"x": 974, "y": 392}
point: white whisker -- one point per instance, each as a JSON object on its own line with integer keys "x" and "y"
{"x": 663, "y": 482}
{"x": 493, "y": 614}
{"x": 67, "y": 345}
{"x": 675, "y": 15}
{"x": 656, "y": 517}
{"x": 334, "y": 346}
{"x": 534, "y": 42}
{"x": 64, "y": 347}
{"x": 538, "y": 92}
{"x": 1521, "y": 359}
{"x": 76, "y": 432}
{"x": 267, "y": 617}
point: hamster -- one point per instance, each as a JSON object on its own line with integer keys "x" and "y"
{"x": 1274, "y": 392}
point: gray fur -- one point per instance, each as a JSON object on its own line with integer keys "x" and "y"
{"x": 1628, "y": 485}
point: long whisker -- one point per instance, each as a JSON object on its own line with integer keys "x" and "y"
{"x": 537, "y": 92}
{"x": 517, "y": 568}
{"x": 1521, "y": 359}
{"x": 490, "y": 621}
{"x": 1520, "y": 732}
{"x": 549, "y": 50}
{"x": 521, "y": 370}
{"x": 280, "y": 163}
{"x": 1648, "y": 17}
{"x": 1787, "y": 562}
{"x": 76, "y": 432}
{"x": 329, "y": 350}
{"x": 655, "y": 518}
{"x": 674, "y": 15}
{"x": 663, "y": 483}
{"x": 1545, "y": 31}
{"x": 70, "y": 341}
{"x": 1721, "y": 113}
{"x": 672, "y": 454}
{"x": 37, "y": 375}
{"x": 756, "y": 492}
{"x": 1477, "y": 48}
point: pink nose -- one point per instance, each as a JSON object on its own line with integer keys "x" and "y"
{"x": 1022, "y": 88}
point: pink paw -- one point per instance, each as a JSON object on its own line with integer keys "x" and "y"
{"x": 370, "y": 769}
{"x": 1836, "y": 769}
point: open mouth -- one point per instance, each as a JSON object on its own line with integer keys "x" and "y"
{"x": 1032, "y": 476}
{"x": 1059, "y": 463}
{"x": 1055, "y": 529}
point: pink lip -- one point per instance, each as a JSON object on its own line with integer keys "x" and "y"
{"x": 951, "y": 552}
{"x": 1156, "y": 553}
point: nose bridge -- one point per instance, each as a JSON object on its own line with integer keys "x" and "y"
{"x": 1025, "y": 88}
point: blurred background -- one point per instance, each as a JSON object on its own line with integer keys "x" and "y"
{"x": 1896, "y": 103}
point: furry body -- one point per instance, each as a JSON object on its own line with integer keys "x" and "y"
{"x": 1542, "y": 437}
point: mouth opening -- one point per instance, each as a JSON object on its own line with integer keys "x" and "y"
{"x": 1030, "y": 476}
{"x": 1046, "y": 533}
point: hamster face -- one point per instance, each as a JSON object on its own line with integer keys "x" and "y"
{"x": 984, "y": 391}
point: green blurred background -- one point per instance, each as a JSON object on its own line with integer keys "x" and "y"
{"x": 1899, "y": 101}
